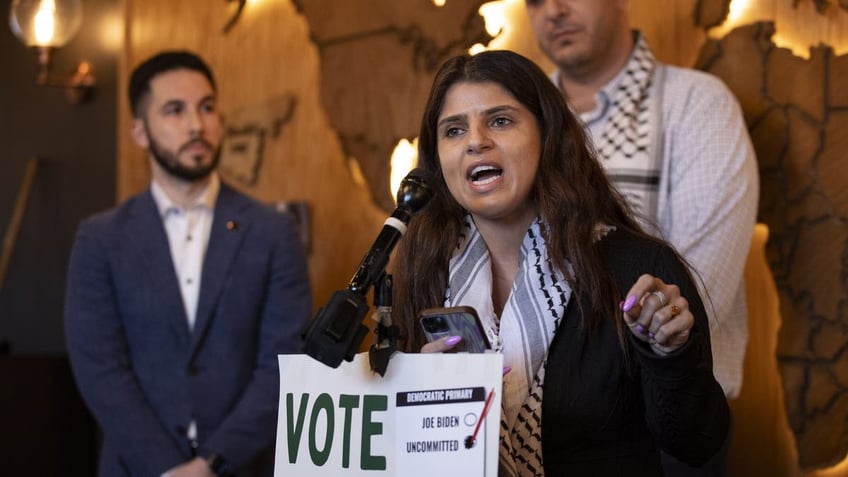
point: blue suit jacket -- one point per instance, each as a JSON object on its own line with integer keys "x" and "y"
{"x": 143, "y": 374}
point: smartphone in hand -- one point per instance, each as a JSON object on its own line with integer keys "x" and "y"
{"x": 458, "y": 320}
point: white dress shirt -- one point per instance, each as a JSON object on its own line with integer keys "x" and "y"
{"x": 188, "y": 236}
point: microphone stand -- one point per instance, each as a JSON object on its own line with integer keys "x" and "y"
{"x": 337, "y": 330}
{"x": 387, "y": 333}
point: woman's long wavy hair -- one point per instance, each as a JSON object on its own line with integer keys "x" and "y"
{"x": 571, "y": 192}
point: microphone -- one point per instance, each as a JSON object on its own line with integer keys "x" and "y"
{"x": 412, "y": 196}
{"x": 337, "y": 330}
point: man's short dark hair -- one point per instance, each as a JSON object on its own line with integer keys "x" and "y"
{"x": 160, "y": 63}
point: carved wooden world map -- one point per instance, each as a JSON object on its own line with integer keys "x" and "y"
{"x": 823, "y": 5}
{"x": 797, "y": 113}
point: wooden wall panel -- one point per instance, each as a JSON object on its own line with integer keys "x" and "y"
{"x": 762, "y": 442}
{"x": 797, "y": 122}
{"x": 669, "y": 26}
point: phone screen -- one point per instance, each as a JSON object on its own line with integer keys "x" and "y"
{"x": 461, "y": 320}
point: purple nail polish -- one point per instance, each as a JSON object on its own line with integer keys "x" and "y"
{"x": 621, "y": 305}
{"x": 506, "y": 369}
{"x": 640, "y": 329}
{"x": 629, "y": 302}
{"x": 453, "y": 340}
{"x": 650, "y": 335}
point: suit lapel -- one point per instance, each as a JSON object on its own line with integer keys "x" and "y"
{"x": 228, "y": 227}
{"x": 145, "y": 234}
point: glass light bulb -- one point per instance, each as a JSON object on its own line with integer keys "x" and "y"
{"x": 45, "y": 23}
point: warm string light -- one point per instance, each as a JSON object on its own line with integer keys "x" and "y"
{"x": 494, "y": 14}
{"x": 495, "y": 18}
{"x": 796, "y": 30}
{"x": 740, "y": 13}
{"x": 738, "y": 9}
{"x": 404, "y": 159}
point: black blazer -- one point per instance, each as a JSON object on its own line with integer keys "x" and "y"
{"x": 604, "y": 416}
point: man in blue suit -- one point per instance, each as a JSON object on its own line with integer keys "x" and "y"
{"x": 180, "y": 299}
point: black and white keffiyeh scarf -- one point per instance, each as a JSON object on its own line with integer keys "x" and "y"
{"x": 627, "y": 131}
{"x": 523, "y": 334}
{"x": 628, "y": 142}
{"x": 626, "y": 128}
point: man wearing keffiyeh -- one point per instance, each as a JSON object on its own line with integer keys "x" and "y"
{"x": 675, "y": 144}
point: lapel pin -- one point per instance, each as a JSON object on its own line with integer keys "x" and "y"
{"x": 232, "y": 225}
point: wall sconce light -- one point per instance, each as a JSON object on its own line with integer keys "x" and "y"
{"x": 45, "y": 25}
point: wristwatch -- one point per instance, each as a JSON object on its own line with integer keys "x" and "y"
{"x": 219, "y": 465}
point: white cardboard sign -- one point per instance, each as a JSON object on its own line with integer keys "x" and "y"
{"x": 415, "y": 421}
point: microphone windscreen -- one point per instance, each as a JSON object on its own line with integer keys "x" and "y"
{"x": 415, "y": 191}
{"x": 420, "y": 174}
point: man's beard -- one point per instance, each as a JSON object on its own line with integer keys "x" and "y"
{"x": 169, "y": 161}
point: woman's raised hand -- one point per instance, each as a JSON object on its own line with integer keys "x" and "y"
{"x": 656, "y": 314}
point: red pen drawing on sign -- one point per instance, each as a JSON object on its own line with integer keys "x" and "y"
{"x": 470, "y": 440}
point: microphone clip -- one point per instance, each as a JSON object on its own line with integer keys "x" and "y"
{"x": 337, "y": 330}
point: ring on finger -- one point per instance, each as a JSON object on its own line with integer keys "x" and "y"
{"x": 661, "y": 296}
{"x": 675, "y": 310}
